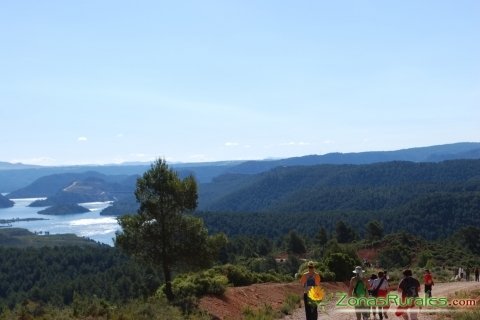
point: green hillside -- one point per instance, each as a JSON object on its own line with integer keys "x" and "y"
{"x": 22, "y": 238}
{"x": 379, "y": 186}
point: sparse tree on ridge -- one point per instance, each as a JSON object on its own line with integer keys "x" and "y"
{"x": 344, "y": 232}
{"x": 295, "y": 243}
{"x": 160, "y": 234}
{"x": 374, "y": 231}
{"x": 321, "y": 238}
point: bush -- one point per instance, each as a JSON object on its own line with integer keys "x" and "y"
{"x": 342, "y": 265}
{"x": 398, "y": 255}
{"x": 199, "y": 284}
{"x": 292, "y": 302}
{"x": 265, "y": 313}
{"x": 236, "y": 275}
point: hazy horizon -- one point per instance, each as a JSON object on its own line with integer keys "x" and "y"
{"x": 226, "y": 160}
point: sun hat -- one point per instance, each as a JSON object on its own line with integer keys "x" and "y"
{"x": 310, "y": 264}
{"x": 358, "y": 270}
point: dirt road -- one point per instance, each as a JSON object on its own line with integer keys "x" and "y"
{"x": 346, "y": 313}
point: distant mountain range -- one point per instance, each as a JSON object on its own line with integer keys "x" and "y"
{"x": 405, "y": 189}
{"x": 16, "y": 176}
{"x": 464, "y": 150}
{"x": 293, "y": 184}
{"x": 13, "y": 166}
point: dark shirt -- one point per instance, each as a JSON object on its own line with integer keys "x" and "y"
{"x": 408, "y": 283}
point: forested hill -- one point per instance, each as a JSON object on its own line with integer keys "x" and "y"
{"x": 16, "y": 176}
{"x": 340, "y": 187}
{"x": 5, "y": 203}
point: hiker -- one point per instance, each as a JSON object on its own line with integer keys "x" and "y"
{"x": 409, "y": 288}
{"x": 380, "y": 289}
{"x": 370, "y": 282}
{"x": 428, "y": 282}
{"x": 358, "y": 288}
{"x": 477, "y": 274}
{"x": 308, "y": 280}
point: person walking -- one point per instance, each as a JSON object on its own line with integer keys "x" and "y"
{"x": 370, "y": 282}
{"x": 380, "y": 290}
{"x": 358, "y": 288}
{"x": 310, "y": 279}
{"x": 409, "y": 288}
{"x": 477, "y": 274}
{"x": 428, "y": 282}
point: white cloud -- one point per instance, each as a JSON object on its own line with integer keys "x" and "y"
{"x": 82, "y": 139}
{"x": 231, "y": 144}
{"x": 37, "y": 160}
{"x": 296, "y": 143}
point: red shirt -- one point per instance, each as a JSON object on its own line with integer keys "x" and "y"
{"x": 427, "y": 278}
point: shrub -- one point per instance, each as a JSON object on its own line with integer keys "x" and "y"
{"x": 342, "y": 265}
{"x": 292, "y": 302}
{"x": 199, "y": 284}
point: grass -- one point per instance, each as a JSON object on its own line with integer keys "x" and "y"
{"x": 292, "y": 302}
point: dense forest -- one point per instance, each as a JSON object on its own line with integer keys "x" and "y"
{"x": 333, "y": 187}
{"x": 54, "y": 274}
{"x": 432, "y": 216}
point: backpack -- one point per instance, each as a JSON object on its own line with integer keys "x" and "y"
{"x": 359, "y": 289}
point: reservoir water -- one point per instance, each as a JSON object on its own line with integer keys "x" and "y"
{"x": 90, "y": 224}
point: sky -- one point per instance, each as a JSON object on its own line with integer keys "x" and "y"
{"x": 102, "y": 81}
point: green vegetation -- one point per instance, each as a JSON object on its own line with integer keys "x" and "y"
{"x": 399, "y": 214}
{"x": 54, "y": 275}
{"x": 265, "y": 313}
{"x": 161, "y": 234}
{"x": 98, "y": 309}
{"x": 292, "y": 301}
{"x": 22, "y": 238}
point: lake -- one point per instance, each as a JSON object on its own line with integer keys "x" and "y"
{"x": 90, "y": 224}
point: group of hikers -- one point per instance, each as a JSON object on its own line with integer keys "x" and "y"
{"x": 377, "y": 286}
{"x": 461, "y": 274}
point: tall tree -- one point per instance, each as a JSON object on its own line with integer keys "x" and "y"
{"x": 321, "y": 238}
{"x": 374, "y": 230}
{"x": 161, "y": 234}
{"x": 344, "y": 232}
{"x": 295, "y": 243}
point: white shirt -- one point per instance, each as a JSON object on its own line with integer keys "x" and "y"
{"x": 384, "y": 285}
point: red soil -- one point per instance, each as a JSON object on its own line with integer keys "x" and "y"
{"x": 235, "y": 300}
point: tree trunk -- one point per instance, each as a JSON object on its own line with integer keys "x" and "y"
{"x": 168, "y": 282}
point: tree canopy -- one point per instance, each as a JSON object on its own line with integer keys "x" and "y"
{"x": 161, "y": 233}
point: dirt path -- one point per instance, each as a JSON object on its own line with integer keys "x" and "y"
{"x": 439, "y": 290}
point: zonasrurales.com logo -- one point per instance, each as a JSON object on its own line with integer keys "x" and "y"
{"x": 391, "y": 299}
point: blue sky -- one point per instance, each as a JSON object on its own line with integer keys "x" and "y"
{"x": 99, "y": 81}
